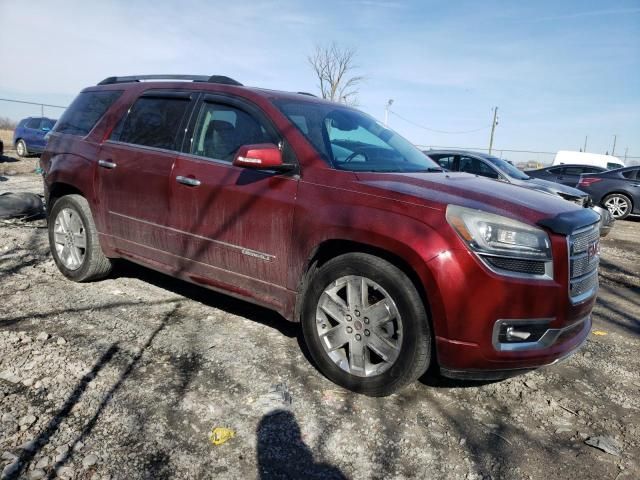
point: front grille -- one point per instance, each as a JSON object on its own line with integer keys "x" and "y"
{"x": 531, "y": 267}
{"x": 584, "y": 257}
{"x": 584, "y": 264}
{"x": 584, "y": 285}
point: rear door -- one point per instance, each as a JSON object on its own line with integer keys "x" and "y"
{"x": 134, "y": 171}
{"x": 231, "y": 225}
{"x": 32, "y": 137}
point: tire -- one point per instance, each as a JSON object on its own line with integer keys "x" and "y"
{"x": 21, "y": 149}
{"x": 73, "y": 240}
{"x": 404, "y": 338}
{"x": 619, "y": 205}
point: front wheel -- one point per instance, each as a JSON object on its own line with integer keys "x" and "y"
{"x": 73, "y": 240}
{"x": 619, "y": 205}
{"x": 21, "y": 149}
{"x": 365, "y": 325}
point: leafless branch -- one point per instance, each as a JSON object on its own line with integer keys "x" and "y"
{"x": 333, "y": 66}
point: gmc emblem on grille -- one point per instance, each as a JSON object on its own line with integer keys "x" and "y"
{"x": 593, "y": 249}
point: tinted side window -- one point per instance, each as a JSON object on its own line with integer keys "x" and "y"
{"x": 445, "y": 162}
{"x": 222, "y": 129}
{"x": 477, "y": 167}
{"x": 630, "y": 174}
{"x": 556, "y": 170}
{"x": 33, "y": 123}
{"x": 153, "y": 122}
{"x": 573, "y": 170}
{"x": 47, "y": 123}
{"x": 85, "y": 111}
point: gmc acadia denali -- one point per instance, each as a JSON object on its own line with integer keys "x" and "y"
{"x": 319, "y": 212}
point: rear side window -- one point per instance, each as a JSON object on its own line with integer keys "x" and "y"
{"x": 85, "y": 111}
{"x": 153, "y": 122}
{"x": 33, "y": 123}
{"x": 613, "y": 166}
{"x": 573, "y": 170}
{"x": 630, "y": 174}
{"x": 556, "y": 171}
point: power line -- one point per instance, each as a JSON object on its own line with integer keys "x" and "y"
{"x": 433, "y": 129}
{"x": 30, "y": 103}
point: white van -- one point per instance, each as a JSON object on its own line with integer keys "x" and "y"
{"x": 566, "y": 157}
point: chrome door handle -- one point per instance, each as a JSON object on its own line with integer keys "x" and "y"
{"x": 106, "y": 164}
{"x": 191, "y": 182}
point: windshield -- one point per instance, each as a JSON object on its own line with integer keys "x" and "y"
{"x": 350, "y": 140}
{"x": 507, "y": 168}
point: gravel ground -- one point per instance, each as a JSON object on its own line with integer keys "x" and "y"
{"x": 125, "y": 378}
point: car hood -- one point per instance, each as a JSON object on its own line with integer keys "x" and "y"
{"x": 439, "y": 189}
{"x": 550, "y": 187}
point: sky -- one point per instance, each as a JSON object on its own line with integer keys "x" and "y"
{"x": 557, "y": 71}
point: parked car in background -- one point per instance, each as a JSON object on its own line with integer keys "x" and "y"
{"x": 566, "y": 157}
{"x": 29, "y": 135}
{"x": 565, "y": 174}
{"x": 496, "y": 168}
{"x": 316, "y": 210}
{"x": 618, "y": 190}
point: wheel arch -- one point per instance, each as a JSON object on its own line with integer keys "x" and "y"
{"x": 333, "y": 248}
{"x": 618, "y": 192}
{"x": 60, "y": 189}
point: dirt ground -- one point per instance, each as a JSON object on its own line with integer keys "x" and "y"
{"x": 125, "y": 378}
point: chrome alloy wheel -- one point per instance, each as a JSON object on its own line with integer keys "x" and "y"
{"x": 21, "y": 149}
{"x": 70, "y": 238}
{"x": 618, "y": 206}
{"x": 359, "y": 326}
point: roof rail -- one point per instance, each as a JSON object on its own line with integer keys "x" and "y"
{"x": 194, "y": 78}
{"x": 307, "y": 93}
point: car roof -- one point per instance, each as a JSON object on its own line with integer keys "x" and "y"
{"x": 562, "y": 165}
{"x": 457, "y": 152}
{"x": 213, "y": 87}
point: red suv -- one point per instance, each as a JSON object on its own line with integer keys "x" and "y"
{"x": 319, "y": 212}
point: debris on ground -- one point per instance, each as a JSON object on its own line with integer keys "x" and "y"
{"x": 604, "y": 443}
{"x": 220, "y": 435}
{"x": 599, "y": 332}
{"x": 278, "y": 397}
{"x": 21, "y": 204}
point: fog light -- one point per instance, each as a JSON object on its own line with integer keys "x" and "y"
{"x": 516, "y": 335}
{"x": 520, "y": 331}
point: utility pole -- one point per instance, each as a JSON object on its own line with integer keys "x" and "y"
{"x": 625, "y": 155}
{"x": 493, "y": 128}
{"x": 613, "y": 150}
{"x": 386, "y": 111}
{"x": 584, "y": 149}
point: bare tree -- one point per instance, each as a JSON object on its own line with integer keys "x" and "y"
{"x": 7, "y": 124}
{"x": 334, "y": 66}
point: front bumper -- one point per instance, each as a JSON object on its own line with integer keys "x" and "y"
{"x": 606, "y": 220}
{"x": 499, "y": 374}
{"x": 471, "y": 299}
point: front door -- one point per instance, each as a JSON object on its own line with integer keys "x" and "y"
{"x": 134, "y": 171}
{"x": 235, "y": 222}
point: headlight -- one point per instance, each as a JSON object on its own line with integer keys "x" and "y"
{"x": 505, "y": 245}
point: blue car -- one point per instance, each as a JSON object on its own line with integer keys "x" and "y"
{"x": 28, "y": 136}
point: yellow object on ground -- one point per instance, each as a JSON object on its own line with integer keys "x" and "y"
{"x": 220, "y": 435}
{"x": 599, "y": 332}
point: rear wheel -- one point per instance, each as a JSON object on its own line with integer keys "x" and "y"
{"x": 619, "y": 205}
{"x": 365, "y": 325}
{"x": 73, "y": 240}
{"x": 21, "y": 148}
